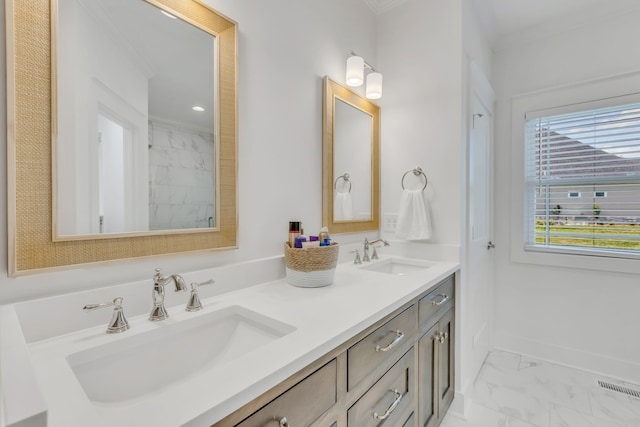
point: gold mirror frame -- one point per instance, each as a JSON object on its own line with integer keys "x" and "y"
{"x": 31, "y": 27}
{"x": 331, "y": 92}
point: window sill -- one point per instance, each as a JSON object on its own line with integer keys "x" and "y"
{"x": 577, "y": 259}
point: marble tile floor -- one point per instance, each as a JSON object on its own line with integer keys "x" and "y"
{"x": 517, "y": 391}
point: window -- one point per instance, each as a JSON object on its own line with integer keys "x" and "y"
{"x": 568, "y": 158}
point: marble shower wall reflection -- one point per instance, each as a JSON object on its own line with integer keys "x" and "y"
{"x": 181, "y": 178}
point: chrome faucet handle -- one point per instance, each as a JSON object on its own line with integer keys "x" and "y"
{"x": 194, "y": 303}
{"x": 118, "y": 322}
{"x": 374, "y": 255}
{"x": 357, "y": 260}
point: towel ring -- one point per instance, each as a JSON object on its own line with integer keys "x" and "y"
{"x": 417, "y": 171}
{"x": 345, "y": 178}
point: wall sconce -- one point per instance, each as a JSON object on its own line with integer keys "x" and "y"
{"x": 355, "y": 76}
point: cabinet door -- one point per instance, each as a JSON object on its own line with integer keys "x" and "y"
{"x": 446, "y": 362}
{"x": 427, "y": 373}
{"x": 410, "y": 421}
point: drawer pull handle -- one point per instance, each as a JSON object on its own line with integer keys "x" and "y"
{"x": 396, "y": 340}
{"x": 391, "y": 408}
{"x": 443, "y": 298}
{"x": 284, "y": 422}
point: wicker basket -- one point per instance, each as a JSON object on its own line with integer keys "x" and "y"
{"x": 311, "y": 267}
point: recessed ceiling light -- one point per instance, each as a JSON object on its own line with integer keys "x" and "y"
{"x": 197, "y": 108}
{"x": 168, "y": 14}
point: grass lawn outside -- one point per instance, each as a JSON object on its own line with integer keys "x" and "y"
{"x": 606, "y": 236}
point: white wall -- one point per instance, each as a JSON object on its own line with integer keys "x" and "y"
{"x": 425, "y": 50}
{"x": 419, "y": 54}
{"x": 285, "y": 48}
{"x": 584, "y": 318}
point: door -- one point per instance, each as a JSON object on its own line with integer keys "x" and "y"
{"x": 477, "y": 295}
{"x": 427, "y": 378}
{"x": 445, "y": 362}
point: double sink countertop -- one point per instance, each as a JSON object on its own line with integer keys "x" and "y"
{"x": 157, "y": 375}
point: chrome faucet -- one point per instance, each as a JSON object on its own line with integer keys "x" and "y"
{"x": 159, "y": 312}
{"x": 374, "y": 255}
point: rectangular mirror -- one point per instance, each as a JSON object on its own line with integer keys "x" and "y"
{"x": 351, "y": 163}
{"x": 138, "y": 175}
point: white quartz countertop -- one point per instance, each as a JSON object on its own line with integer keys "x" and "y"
{"x": 321, "y": 319}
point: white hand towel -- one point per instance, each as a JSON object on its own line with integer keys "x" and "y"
{"x": 414, "y": 221}
{"x": 342, "y": 207}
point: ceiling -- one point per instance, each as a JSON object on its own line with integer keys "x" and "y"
{"x": 502, "y": 18}
{"x": 175, "y": 56}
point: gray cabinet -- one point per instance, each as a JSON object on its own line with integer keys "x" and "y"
{"x": 436, "y": 367}
{"x": 398, "y": 372}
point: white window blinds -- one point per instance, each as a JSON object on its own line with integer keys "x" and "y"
{"x": 583, "y": 181}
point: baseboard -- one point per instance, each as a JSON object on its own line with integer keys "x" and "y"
{"x": 461, "y": 405}
{"x": 611, "y": 367}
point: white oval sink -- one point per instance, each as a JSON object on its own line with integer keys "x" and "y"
{"x": 399, "y": 267}
{"x": 150, "y": 361}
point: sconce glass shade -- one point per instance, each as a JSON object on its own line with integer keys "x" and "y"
{"x": 355, "y": 71}
{"x": 374, "y": 86}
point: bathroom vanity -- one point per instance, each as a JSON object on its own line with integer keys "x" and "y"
{"x": 399, "y": 370}
{"x": 378, "y": 344}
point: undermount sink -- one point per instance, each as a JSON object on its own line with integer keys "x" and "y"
{"x": 399, "y": 267}
{"x": 150, "y": 361}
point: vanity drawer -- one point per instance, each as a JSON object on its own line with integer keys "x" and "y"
{"x": 389, "y": 399}
{"x": 380, "y": 345}
{"x": 302, "y": 403}
{"x": 440, "y": 297}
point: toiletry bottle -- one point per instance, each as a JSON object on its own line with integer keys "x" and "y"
{"x": 294, "y": 231}
{"x": 300, "y": 239}
{"x": 324, "y": 234}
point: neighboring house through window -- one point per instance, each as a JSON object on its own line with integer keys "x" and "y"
{"x": 582, "y": 181}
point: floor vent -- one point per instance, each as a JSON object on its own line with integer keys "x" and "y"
{"x": 619, "y": 389}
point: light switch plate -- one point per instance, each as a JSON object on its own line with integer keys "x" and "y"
{"x": 389, "y": 222}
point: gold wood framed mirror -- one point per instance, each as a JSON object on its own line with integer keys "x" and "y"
{"x": 350, "y": 159}
{"x": 34, "y": 115}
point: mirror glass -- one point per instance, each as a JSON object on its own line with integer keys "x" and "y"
{"x": 352, "y": 133}
{"x": 350, "y": 160}
{"x": 135, "y": 147}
